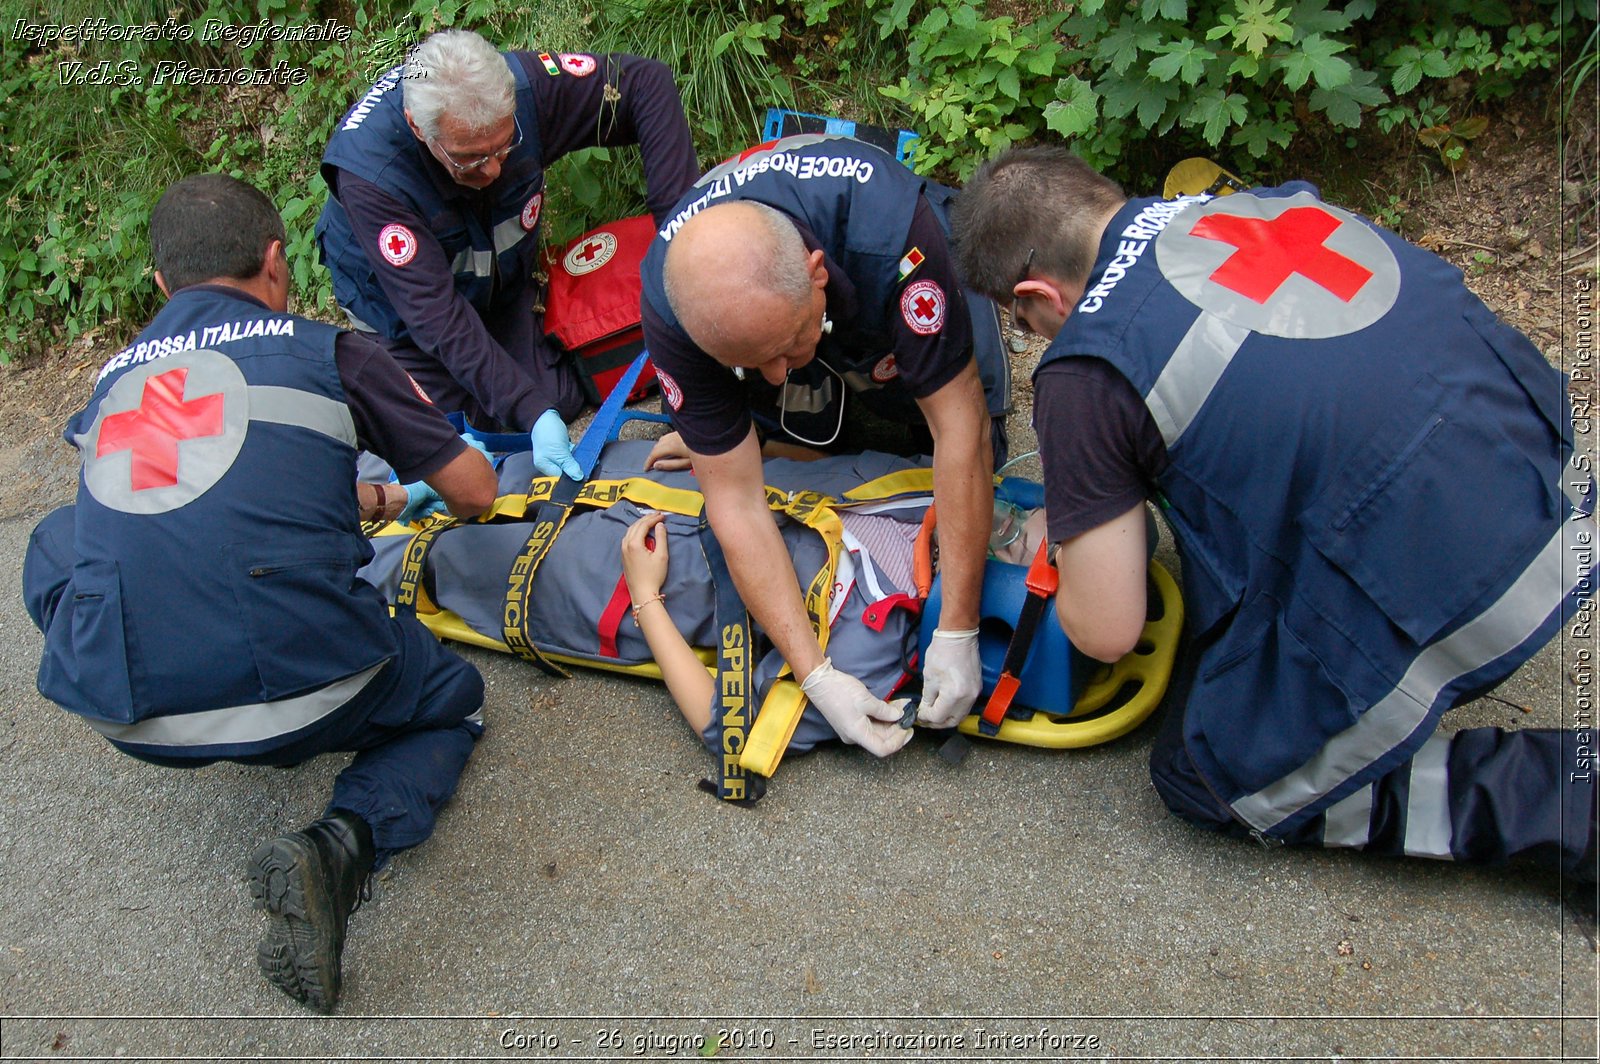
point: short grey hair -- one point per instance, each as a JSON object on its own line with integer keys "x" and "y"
{"x": 458, "y": 73}
{"x": 779, "y": 265}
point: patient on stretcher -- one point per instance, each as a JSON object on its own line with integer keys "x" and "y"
{"x": 646, "y": 553}
{"x": 639, "y": 544}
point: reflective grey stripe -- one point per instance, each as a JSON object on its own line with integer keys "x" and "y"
{"x": 477, "y": 263}
{"x": 1512, "y": 618}
{"x": 508, "y": 234}
{"x": 1192, "y": 372}
{"x": 241, "y": 724}
{"x": 1348, "y": 822}
{"x": 799, "y": 140}
{"x": 805, "y": 399}
{"x": 1428, "y": 827}
{"x": 1003, "y": 386}
{"x": 305, "y": 410}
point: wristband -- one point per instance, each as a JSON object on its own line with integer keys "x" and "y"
{"x": 389, "y": 505}
{"x": 637, "y": 606}
{"x": 381, "y": 509}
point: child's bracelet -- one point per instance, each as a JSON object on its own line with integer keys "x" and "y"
{"x": 637, "y": 606}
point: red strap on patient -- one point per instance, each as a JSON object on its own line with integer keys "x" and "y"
{"x": 611, "y": 618}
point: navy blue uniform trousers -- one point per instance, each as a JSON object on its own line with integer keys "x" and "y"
{"x": 412, "y": 727}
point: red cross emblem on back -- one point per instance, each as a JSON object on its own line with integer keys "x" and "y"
{"x": 590, "y": 250}
{"x": 153, "y": 431}
{"x": 1270, "y": 250}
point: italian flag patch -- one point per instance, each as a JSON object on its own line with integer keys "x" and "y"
{"x": 549, "y": 64}
{"x": 909, "y": 264}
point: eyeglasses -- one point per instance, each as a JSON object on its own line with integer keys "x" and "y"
{"x": 483, "y": 160}
{"x": 1027, "y": 265}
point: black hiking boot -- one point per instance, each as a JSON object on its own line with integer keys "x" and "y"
{"x": 309, "y": 882}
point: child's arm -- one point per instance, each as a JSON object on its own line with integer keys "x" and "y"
{"x": 644, "y": 564}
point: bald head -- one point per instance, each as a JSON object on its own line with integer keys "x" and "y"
{"x": 738, "y": 278}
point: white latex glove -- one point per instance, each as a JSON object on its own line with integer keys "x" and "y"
{"x": 857, "y": 716}
{"x": 552, "y": 447}
{"x": 952, "y": 677}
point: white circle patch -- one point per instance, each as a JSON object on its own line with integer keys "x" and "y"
{"x": 590, "y": 253}
{"x": 530, "y": 211}
{"x": 579, "y": 66}
{"x": 397, "y": 244}
{"x": 166, "y": 432}
{"x": 886, "y": 370}
{"x": 922, "y": 305}
{"x": 1289, "y": 266}
{"x": 669, "y": 389}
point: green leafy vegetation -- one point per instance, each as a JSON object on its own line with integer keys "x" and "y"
{"x": 92, "y": 130}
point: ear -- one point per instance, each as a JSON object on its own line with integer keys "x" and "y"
{"x": 275, "y": 263}
{"x": 275, "y": 272}
{"x": 161, "y": 283}
{"x": 1060, "y": 299}
{"x": 416, "y": 130}
{"x": 818, "y": 272}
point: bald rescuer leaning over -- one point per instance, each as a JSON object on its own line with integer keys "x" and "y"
{"x": 817, "y": 295}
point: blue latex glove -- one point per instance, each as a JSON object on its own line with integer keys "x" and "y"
{"x": 477, "y": 445}
{"x": 552, "y": 447}
{"x": 421, "y": 500}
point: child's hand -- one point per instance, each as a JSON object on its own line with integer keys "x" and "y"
{"x": 669, "y": 453}
{"x": 644, "y": 557}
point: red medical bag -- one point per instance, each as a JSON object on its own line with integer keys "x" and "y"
{"x": 592, "y": 306}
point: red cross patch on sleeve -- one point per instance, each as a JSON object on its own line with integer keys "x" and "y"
{"x": 670, "y": 389}
{"x": 418, "y": 389}
{"x": 397, "y": 244}
{"x": 579, "y": 66}
{"x": 530, "y": 211}
{"x": 922, "y": 306}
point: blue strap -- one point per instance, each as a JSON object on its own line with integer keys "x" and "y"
{"x": 496, "y": 442}
{"x": 607, "y": 418}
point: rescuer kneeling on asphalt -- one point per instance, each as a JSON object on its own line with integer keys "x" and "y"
{"x": 199, "y": 601}
{"x": 1372, "y": 483}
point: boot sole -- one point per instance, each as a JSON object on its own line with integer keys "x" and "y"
{"x": 298, "y": 953}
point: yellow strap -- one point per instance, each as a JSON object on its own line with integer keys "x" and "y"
{"x": 769, "y": 736}
{"x": 816, "y": 511}
{"x": 448, "y": 625}
{"x": 519, "y": 585}
{"x": 411, "y": 594}
{"x": 601, "y": 493}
